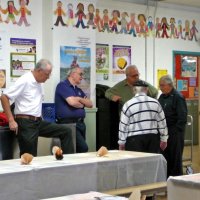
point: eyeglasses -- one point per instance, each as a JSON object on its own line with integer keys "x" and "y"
{"x": 134, "y": 75}
{"x": 80, "y": 74}
{"x": 47, "y": 74}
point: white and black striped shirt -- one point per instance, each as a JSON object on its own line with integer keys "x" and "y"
{"x": 142, "y": 115}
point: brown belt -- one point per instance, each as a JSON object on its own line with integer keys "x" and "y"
{"x": 28, "y": 117}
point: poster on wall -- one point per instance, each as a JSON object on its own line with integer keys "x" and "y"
{"x": 102, "y": 62}
{"x": 186, "y": 75}
{"x": 189, "y": 66}
{"x": 21, "y": 63}
{"x": 2, "y": 78}
{"x": 121, "y": 59}
{"x": 160, "y": 73}
{"x": 22, "y": 56}
{"x": 21, "y": 45}
{"x": 76, "y": 57}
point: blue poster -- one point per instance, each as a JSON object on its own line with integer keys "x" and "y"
{"x": 76, "y": 57}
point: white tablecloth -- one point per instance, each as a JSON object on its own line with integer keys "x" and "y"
{"x": 89, "y": 196}
{"x": 46, "y": 177}
{"x": 185, "y": 187}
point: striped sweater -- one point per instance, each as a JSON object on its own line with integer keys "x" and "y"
{"x": 142, "y": 115}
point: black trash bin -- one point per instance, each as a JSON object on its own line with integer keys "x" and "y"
{"x": 107, "y": 120}
{"x": 6, "y": 143}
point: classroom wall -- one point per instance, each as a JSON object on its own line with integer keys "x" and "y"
{"x": 150, "y": 54}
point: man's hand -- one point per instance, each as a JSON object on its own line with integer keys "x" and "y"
{"x": 116, "y": 98}
{"x": 122, "y": 147}
{"x": 163, "y": 145}
{"x": 13, "y": 126}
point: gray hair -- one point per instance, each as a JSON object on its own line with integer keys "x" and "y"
{"x": 42, "y": 64}
{"x": 140, "y": 89}
{"x": 167, "y": 79}
{"x": 127, "y": 70}
{"x": 71, "y": 70}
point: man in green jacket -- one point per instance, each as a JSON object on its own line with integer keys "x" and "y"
{"x": 124, "y": 90}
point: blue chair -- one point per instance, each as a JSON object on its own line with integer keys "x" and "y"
{"x": 48, "y": 114}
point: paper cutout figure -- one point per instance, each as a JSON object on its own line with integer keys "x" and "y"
{"x": 187, "y": 30}
{"x": 90, "y": 16}
{"x": 70, "y": 14}
{"x": 173, "y": 28}
{"x": 132, "y": 25}
{"x": 80, "y": 15}
{"x": 165, "y": 27}
{"x": 23, "y": 11}
{"x": 158, "y": 27}
{"x": 105, "y": 21}
{"x": 124, "y": 23}
{"x": 97, "y": 20}
{"x": 179, "y": 29}
{"x": 193, "y": 31}
{"x": 59, "y": 12}
{"x": 150, "y": 26}
{"x": 142, "y": 25}
{"x": 12, "y": 11}
{"x": 114, "y": 21}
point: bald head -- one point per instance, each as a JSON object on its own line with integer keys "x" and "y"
{"x": 132, "y": 74}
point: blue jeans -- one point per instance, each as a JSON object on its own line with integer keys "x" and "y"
{"x": 81, "y": 145}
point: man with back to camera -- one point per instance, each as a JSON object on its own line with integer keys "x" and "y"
{"x": 142, "y": 124}
{"x": 124, "y": 90}
{"x": 27, "y": 123}
{"x": 70, "y": 102}
{"x": 175, "y": 109}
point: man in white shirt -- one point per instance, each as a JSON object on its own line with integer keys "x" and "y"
{"x": 26, "y": 121}
{"x": 142, "y": 124}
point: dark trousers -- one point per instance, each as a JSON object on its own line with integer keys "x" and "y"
{"x": 173, "y": 153}
{"x": 81, "y": 145}
{"x": 149, "y": 143}
{"x": 29, "y": 130}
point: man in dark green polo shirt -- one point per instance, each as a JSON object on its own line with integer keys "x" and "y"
{"x": 124, "y": 90}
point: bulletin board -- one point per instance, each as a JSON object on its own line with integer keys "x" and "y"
{"x": 186, "y": 74}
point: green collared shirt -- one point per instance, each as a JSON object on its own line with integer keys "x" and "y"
{"x": 126, "y": 92}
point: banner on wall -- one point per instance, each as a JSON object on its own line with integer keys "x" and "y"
{"x": 186, "y": 75}
{"x": 121, "y": 59}
{"x": 102, "y": 62}
{"x": 160, "y": 73}
{"x": 22, "y": 56}
{"x": 76, "y": 57}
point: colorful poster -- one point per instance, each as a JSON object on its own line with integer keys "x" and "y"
{"x": 76, "y": 57}
{"x": 193, "y": 92}
{"x": 189, "y": 66}
{"x": 21, "y": 45}
{"x": 22, "y": 56}
{"x": 21, "y": 63}
{"x": 2, "y": 78}
{"x": 121, "y": 59}
{"x": 160, "y": 73}
{"x": 182, "y": 85}
{"x": 102, "y": 62}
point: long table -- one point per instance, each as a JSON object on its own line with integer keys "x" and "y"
{"x": 184, "y": 187}
{"x": 47, "y": 177}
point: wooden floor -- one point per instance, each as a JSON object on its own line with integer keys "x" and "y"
{"x": 195, "y": 163}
